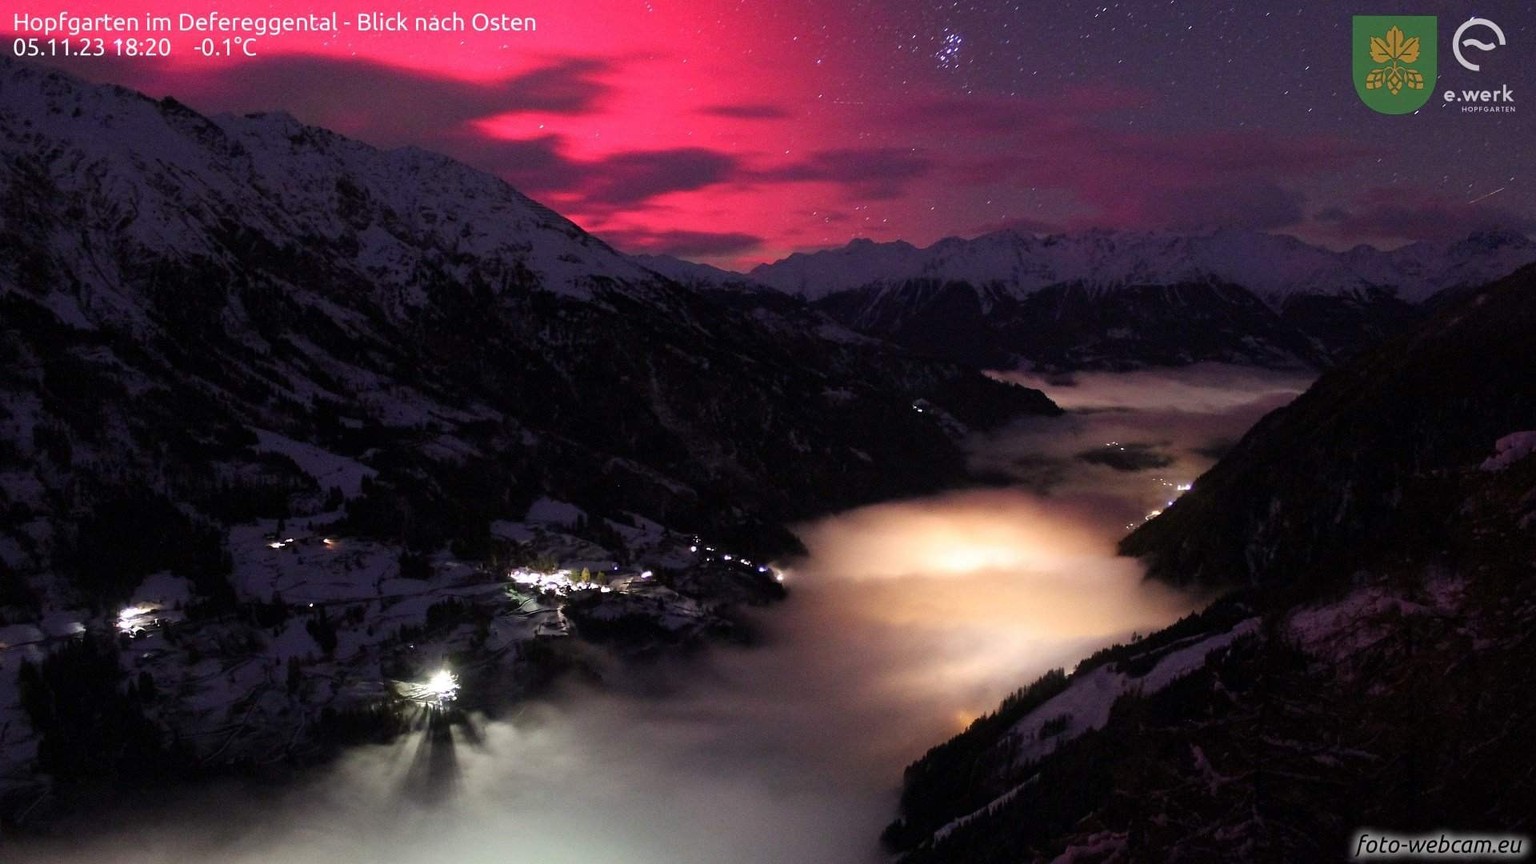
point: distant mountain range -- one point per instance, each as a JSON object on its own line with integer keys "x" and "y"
{"x": 1121, "y": 300}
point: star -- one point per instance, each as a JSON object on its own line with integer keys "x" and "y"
{"x": 948, "y": 55}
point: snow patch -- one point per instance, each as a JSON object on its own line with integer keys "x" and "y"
{"x": 327, "y": 468}
{"x": 1103, "y": 846}
{"x": 989, "y": 809}
{"x": 1086, "y": 703}
{"x": 515, "y": 532}
{"x": 1366, "y": 616}
{"x": 1509, "y": 450}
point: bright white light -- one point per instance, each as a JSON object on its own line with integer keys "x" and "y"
{"x": 135, "y": 619}
{"x": 558, "y": 582}
{"x": 435, "y": 692}
{"x": 443, "y": 685}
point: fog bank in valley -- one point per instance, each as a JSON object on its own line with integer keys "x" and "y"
{"x": 905, "y": 621}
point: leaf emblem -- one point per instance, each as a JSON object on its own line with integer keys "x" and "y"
{"x": 1379, "y": 51}
{"x": 1396, "y": 46}
{"x": 1395, "y": 52}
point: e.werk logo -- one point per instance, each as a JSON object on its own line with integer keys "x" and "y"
{"x": 1395, "y": 61}
{"x": 1483, "y": 99}
{"x": 1458, "y": 43}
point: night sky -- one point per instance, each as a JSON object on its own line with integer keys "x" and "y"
{"x": 737, "y": 131}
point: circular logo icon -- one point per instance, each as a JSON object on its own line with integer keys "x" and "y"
{"x": 1457, "y": 43}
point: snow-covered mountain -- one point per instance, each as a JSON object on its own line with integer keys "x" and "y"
{"x": 697, "y": 275}
{"x": 284, "y": 273}
{"x": 1122, "y": 300}
{"x": 1273, "y": 267}
{"x": 245, "y": 362}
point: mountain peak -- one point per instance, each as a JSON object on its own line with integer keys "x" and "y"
{"x": 174, "y": 175}
{"x": 1272, "y": 266}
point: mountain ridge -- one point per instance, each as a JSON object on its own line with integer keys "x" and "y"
{"x": 1273, "y": 266}
{"x": 1124, "y": 300}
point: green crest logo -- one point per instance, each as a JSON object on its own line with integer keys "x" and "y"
{"x": 1395, "y": 61}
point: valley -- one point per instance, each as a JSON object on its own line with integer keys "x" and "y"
{"x": 354, "y": 505}
{"x": 903, "y": 622}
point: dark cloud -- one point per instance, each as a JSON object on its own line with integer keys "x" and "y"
{"x": 870, "y": 173}
{"x": 1245, "y": 206}
{"x": 1391, "y": 215}
{"x": 381, "y": 104}
{"x": 633, "y": 178}
{"x": 630, "y": 178}
{"x": 1124, "y": 176}
{"x": 1193, "y": 182}
{"x": 1018, "y": 224}
{"x": 534, "y": 166}
{"x": 855, "y": 165}
{"x": 1214, "y": 154}
{"x": 826, "y": 217}
{"x": 541, "y": 166}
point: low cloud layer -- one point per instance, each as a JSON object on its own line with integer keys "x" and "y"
{"x": 906, "y": 620}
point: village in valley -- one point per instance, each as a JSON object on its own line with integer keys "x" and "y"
{"x": 330, "y": 640}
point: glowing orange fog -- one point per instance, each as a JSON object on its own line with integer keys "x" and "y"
{"x": 952, "y": 602}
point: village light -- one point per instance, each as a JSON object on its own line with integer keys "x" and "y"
{"x": 135, "y": 619}
{"x": 437, "y": 691}
{"x": 443, "y": 685}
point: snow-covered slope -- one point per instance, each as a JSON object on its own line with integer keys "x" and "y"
{"x": 160, "y": 175}
{"x": 293, "y": 281}
{"x": 1372, "y": 668}
{"x": 319, "y": 388}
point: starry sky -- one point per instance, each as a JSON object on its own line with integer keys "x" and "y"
{"x": 738, "y": 131}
